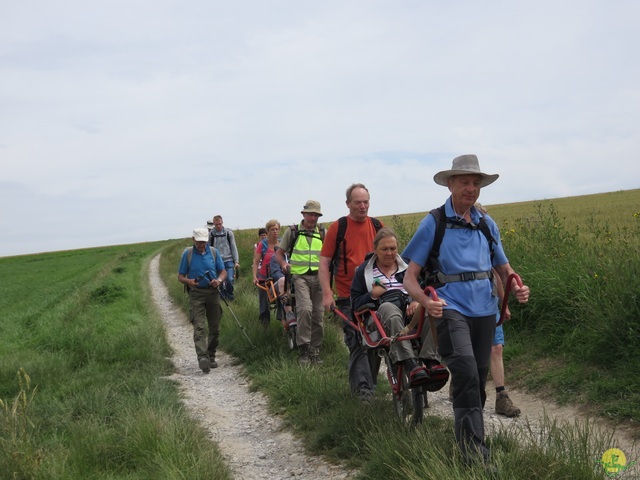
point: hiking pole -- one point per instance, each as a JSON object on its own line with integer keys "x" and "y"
{"x": 237, "y": 321}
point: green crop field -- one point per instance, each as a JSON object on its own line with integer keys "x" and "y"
{"x": 83, "y": 359}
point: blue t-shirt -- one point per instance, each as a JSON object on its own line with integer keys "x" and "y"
{"x": 201, "y": 263}
{"x": 462, "y": 250}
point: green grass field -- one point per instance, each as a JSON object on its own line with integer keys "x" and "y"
{"x": 83, "y": 359}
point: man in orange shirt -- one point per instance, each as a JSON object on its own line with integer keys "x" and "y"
{"x": 358, "y": 231}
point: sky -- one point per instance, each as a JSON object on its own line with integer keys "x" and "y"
{"x": 127, "y": 121}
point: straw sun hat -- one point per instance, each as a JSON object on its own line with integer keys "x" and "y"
{"x": 464, "y": 165}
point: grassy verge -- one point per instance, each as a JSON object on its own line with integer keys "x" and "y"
{"x": 316, "y": 402}
{"x": 81, "y": 373}
{"x": 82, "y": 361}
{"x": 578, "y": 340}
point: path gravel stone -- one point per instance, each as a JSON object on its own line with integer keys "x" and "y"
{"x": 254, "y": 442}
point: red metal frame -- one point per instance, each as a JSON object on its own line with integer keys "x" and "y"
{"x": 269, "y": 287}
{"x": 507, "y": 291}
{"x": 385, "y": 341}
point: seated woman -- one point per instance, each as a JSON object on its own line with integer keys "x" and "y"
{"x": 379, "y": 281}
{"x": 278, "y": 277}
{"x": 261, "y": 258}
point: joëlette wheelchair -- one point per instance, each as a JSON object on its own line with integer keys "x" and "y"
{"x": 409, "y": 402}
{"x": 278, "y": 301}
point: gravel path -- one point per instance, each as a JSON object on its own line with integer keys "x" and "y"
{"x": 254, "y": 442}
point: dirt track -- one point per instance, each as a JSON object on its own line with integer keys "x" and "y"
{"x": 254, "y": 443}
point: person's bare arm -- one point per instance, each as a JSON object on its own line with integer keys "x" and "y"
{"x": 521, "y": 293}
{"x": 413, "y": 288}
{"x": 256, "y": 262}
{"x": 189, "y": 282}
{"x": 281, "y": 260}
{"x": 325, "y": 283}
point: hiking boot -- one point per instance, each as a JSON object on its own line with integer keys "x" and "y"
{"x": 213, "y": 363}
{"x": 417, "y": 373}
{"x": 203, "y": 363}
{"x": 365, "y": 396}
{"x": 438, "y": 374}
{"x": 315, "y": 357}
{"x": 504, "y": 405}
{"x": 303, "y": 358}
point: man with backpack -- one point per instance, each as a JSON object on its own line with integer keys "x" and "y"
{"x": 303, "y": 243}
{"x": 461, "y": 270}
{"x": 202, "y": 272}
{"x": 225, "y": 242}
{"x": 347, "y": 242}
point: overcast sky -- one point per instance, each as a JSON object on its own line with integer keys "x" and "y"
{"x": 125, "y": 121}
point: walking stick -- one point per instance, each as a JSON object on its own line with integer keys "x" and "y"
{"x": 237, "y": 321}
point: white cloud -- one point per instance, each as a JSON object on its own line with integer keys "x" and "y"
{"x": 153, "y": 116}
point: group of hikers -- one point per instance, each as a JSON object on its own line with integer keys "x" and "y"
{"x": 456, "y": 249}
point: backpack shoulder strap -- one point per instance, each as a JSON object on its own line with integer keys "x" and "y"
{"x": 433, "y": 265}
{"x": 189, "y": 251}
{"x": 265, "y": 247}
{"x": 294, "y": 238}
{"x": 342, "y": 230}
{"x": 377, "y": 224}
{"x": 484, "y": 228}
{"x": 441, "y": 225}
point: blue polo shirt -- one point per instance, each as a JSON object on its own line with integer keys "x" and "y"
{"x": 201, "y": 263}
{"x": 462, "y": 250}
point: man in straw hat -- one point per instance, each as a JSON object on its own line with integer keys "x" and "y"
{"x": 466, "y": 310}
{"x": 303, "y": 243}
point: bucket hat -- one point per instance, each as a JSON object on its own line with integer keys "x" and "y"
{"x": 464, "y": 165}
{"x": 312, "y": 206}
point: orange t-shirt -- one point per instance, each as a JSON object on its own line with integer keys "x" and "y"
{"x": 358, "y": 241}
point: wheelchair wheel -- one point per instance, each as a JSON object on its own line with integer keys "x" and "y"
{"x": 409, "y": 403}
{"x": 291, "y": 337}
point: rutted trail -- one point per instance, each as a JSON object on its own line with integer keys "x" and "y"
{"x": 253, "y": 441}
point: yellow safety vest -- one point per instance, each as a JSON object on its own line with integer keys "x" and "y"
{"x": 305, "y": 255}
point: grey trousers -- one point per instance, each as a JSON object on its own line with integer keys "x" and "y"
{"x": 205, "y": 312}
{"x": 393, "y": 321}
{"x": 364, "y": 363}
{"x": 465, "y": 345}
{"x": 309, "y": 311}
{"x": 428, "y": 349}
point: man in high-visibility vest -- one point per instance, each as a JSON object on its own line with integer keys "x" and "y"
{"x": 303, "y": 243}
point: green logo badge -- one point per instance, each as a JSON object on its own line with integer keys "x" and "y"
{"x": 614, "y": 462}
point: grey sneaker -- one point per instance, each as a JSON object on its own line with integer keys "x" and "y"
{"x": 203, "y": 363}
{"x": 315, "y": 358}
{"x": 303, "y": 358}
{"x": 504, "y": 405}
{"x": 365, "y": 396}
{"x": 213, "y": 363}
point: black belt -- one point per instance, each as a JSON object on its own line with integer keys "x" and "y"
{"x": 208, "y": 287}
{"x": 465, "y": 276}
{"x": 310, "y": 272}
